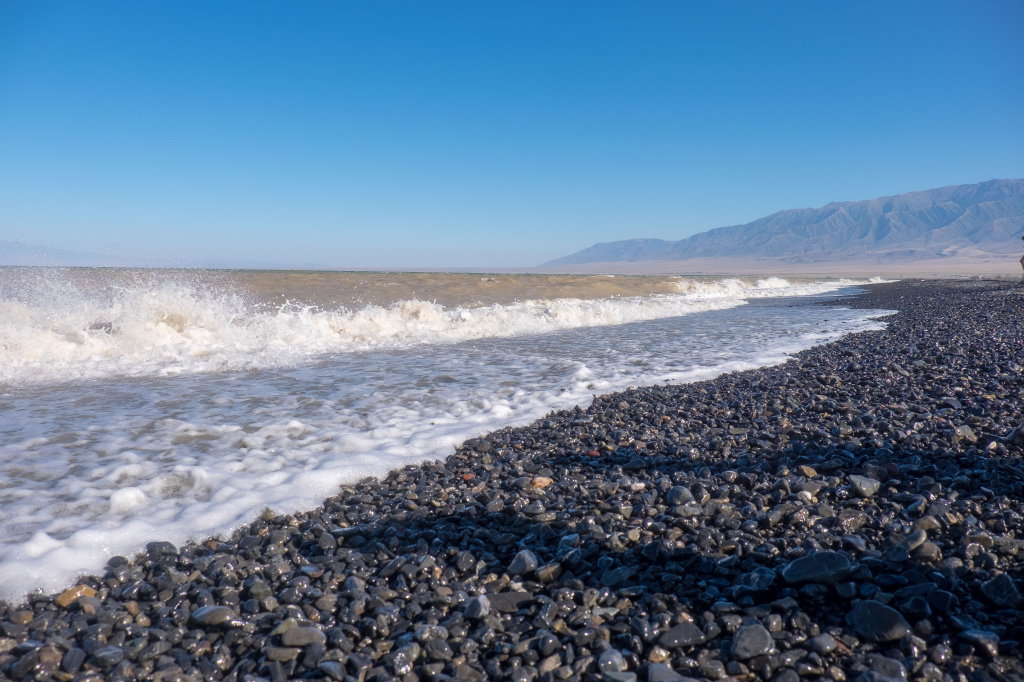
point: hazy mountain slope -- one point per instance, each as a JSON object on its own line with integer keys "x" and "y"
{"x": 960, "y": 219}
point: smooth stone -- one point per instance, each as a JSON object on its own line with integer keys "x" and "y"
{"x": 877, "y": 622}
{"x": 712, "y": 669}
{"x": 914, "y": 540}
{"x": 509, "y": 602}
{"x": 108, "y": 656}
{"x": 73, "y": 660}
{"x": 303, "y": 636}
{"x": 1017, "y": 436}
{"x": 611, "y": 661}
{"x": 524, "y": 562}
{"x": 982, "y": 639}
{"x": 822, "y": 644}
{"x": 549, "y": 572}
{"x": 825, "y": 567}
{"x": 403, "y": 659}
{"x": 333, "y": 670}
{"x": 928, "y": 552}
{"x": 439, "y": 650}
{"x": 758, "y": 580}
{"x": 67, "y": 597}
{"x": 864, "y": 486}
{"x": 1001, "y": 591}
{"x": 750, "y": 641}
{"x": 684, "y": 634}
{"x": 678, "y": 495}
{"x": 212, "y": 615}
{"x": 888, "y": 668}
{"x": 259, "y": 590}
{"x": 617, "y": 576}
{"x": 966, "y": 433}
{"x": 477, "y": 607}
{"x": 159, "y": 549}
{"x": 282, "y": 653}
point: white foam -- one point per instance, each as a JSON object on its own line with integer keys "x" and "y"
{"x": 51, "y": 330}
{"x": 98, "y": 468}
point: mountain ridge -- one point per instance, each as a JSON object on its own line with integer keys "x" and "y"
{"x": 962, "y": 220}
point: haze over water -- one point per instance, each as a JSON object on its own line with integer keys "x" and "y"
{"x": 138, "y": 405}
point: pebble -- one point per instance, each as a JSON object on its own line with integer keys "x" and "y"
{"x": 682, "y": 635}
{"x": 826, "y": 567}
{"x": 864, "y": 486}
{"x": 303, "y": 636}
{"x": 750, "y": 641}
{"x": 982, "y": 640}
{"x": 67, "y": 597}
{"x": 524, "y": 562}
{"x": 877, "y": 622}
{"x": 1001, "y": 591}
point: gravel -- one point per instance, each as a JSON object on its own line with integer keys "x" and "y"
{"x": 854, "y": 514}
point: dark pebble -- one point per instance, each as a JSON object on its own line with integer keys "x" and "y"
{"x": 750, "y": 641}
{"x": 877, "y": 622}
{"x": 684, "y": 634}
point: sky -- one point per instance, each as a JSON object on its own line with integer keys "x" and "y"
{"x": 482, "y": 134}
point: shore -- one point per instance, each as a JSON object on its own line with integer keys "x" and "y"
{"x": 857, "y": 512}
{"x": 977, "y": 265}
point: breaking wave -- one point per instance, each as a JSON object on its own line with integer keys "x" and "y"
{"x": 54, "y": 330}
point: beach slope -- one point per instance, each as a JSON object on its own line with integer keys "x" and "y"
{"x": 855, "y": 513}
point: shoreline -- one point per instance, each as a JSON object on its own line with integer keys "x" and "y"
{"x": 707, "y": 528}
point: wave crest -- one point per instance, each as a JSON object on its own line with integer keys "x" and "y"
{"x": 53, "y": 331}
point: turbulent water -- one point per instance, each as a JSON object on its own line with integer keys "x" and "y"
{"x": 142, "y": 405}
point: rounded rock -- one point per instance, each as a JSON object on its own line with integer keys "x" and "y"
{"x": 750, "y": 641}
{"x": 877, "y": 622}
{"x": 824, "y": 567}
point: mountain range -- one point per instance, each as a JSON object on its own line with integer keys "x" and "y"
{"x": 960, "y": 222}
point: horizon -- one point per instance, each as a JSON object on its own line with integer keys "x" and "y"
{"x": 475, "y": 137}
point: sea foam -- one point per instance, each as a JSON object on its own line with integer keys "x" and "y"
{"x": 51, "y": 329}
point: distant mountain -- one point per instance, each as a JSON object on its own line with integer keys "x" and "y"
{"x": 962, "y": 220}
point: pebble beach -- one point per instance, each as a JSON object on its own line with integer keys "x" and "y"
{"x": 856, "y": 513}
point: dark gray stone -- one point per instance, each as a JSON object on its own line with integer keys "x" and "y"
{"x": 982, "y": 640}
{"x": 877, "y": 622}
{"x": 750, "y": 641}
{"x": 684, "y": 634}
{"x": 303, "y": 636}
{"x": 864, "y": 486}
{"x": 477, "y": 607}
{"x": 525, "y": 562}
{"x": 1001, "y": 591}
{"x": 678, "y": 495}
{"x": 208, "y": 616}
{"x": 108, "y": 656}
{"x": 824, "y": 567}
{"x": 509, "y": 602}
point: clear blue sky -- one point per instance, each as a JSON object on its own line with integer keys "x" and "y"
{"x": 482, "y": 133}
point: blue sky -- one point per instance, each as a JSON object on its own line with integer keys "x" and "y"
{"x": 476, "y": 134}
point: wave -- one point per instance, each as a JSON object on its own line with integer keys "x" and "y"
{"x": 53, "y": 329}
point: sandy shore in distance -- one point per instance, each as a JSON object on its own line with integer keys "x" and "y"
{"x": 933, "y": 268}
